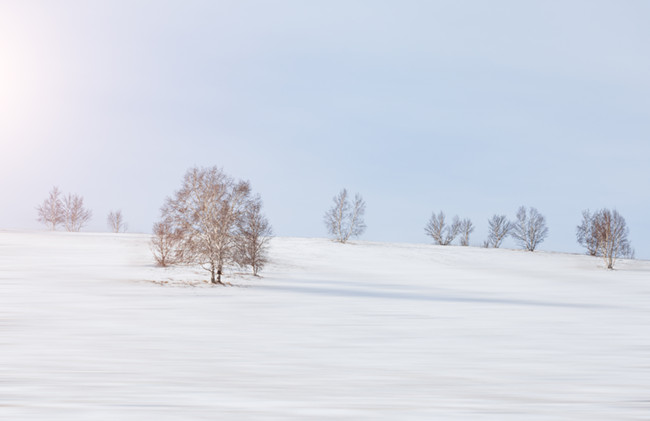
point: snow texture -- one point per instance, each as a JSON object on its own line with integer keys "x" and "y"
{"x": 92, "y": 330}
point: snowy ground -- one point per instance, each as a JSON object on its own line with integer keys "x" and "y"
{"x": 364, "y": 331}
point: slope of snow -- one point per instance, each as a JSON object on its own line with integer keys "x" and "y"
{"x": 91, "y": 330}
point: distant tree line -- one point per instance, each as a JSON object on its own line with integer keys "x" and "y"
{"x": 70, "y": 212}
{"x": 528, "y": 229}
{"x": 603, "y": 233}
{"x": 217, "y": 222}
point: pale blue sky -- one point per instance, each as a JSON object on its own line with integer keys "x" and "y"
{"x": 471, "y": 107}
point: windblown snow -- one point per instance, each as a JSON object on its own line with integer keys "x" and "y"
{"x": 92, "y": 330}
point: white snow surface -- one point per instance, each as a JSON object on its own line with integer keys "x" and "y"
{"x": 92, "y": 330}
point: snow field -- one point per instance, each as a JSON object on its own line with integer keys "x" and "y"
{"x": 362, "y": 331}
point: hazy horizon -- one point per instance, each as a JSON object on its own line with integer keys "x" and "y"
{"x": 471, "y": 108}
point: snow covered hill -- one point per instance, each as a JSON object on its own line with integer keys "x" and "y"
{"x": 91, "y": 330}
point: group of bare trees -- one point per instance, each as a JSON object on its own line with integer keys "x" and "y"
{"x": 216, "y": 222}
{"x": 344, "y": 219}
{"x": 604, "y": 233}
{"x": 69, "y": 211}
{"x": 66, "y": 210}
{"x": 444, "y": 234}
{"x": 528, "y": 229}
{"x": 213, "y": 221}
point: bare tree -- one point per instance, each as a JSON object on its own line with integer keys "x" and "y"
{"x": 529, "y": 230}
{"x": 498, "y": 229}
{"x": 205, "y": 212}
{"x": 254, "y": 232}
{"x": 345, "y": 220}
{"x": 611, "y": 232}
{"x": 51, "y": 211}
{"x": 586, "y": 233}
{"x": 164, "y": 244}
{"x": 466, "y": 228}
{"x": 116, "y": 222}
{"x": 437, "y": 229}
{"x": 76, "y": 216}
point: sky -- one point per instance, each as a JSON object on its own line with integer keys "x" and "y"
{"x": 473, "y": 108}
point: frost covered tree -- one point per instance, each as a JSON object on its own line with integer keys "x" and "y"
{"x": 116, "y": 222}
{"x": 344, "y": 219}
{"x": 254, "y": 232}
{"x": 466, "y": 228}
{"x": 529, "y": 229}
{"x": 51, "y": 211}
{"x": 76, "y": 216}
{"x": 442, "y": 233}
{"x": 206, "y": 216}
{"x": 498, "y": 229}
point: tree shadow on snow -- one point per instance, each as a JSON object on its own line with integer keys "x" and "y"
{"x": 356, "y": 293}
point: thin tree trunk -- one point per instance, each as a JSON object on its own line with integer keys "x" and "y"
{"x": 212, "y": 280}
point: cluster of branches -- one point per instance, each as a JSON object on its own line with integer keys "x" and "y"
{"x": 67, "y": 210}
{"x": 444, "y": 234}
{"x": 212, "y": 221}
{"x": 604, "y": 233}
{"x": 344, "y": 219}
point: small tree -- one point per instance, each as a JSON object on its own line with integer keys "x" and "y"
{"x": 466, "y": 228}
{"x": 51, "y": 212}
{"x": 116, "y": 222}
{"x": 437, "y": 229}
{"x": 586, "y": 233}
{"x": 254, "y": 232}
{"x": 529, "y": 230}
{"x": 611, "y": 232}
{"x": 164, "y": 244}
{"x": 345, "y": 220}
{"x": 76, "y": 216}
{"x": 498, "y": 229}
